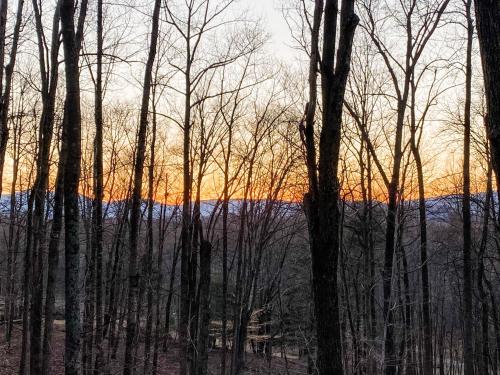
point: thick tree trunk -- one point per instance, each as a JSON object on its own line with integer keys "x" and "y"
{"x": 488, "y": 31}
{"x": 321, "y": 203}
{"x": 6, "y": 76}
{"x": 72, "y": 138}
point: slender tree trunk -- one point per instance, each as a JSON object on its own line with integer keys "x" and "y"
{"x": 55, "y": 232}
{"x": 97, "y": 214}
{"x": 484, "y": 359}
{"x": 159, "y": 280}
{"x": 169, "y": 296}
{"x": 57, "y": 213}
{"x": 135, "y": 211}
{"x": 466, "y": 213}
{"x": 424, "y": 269}
{"x": 113, "y": 285}
{"x": 225, "y": 212}
{"x": 12, "y": 241}
{"x": 149, "y": 259}
{"x": 204, "y": 293}
{"x": 390, "y": 360}
{"x": 3, "y": 25}
{"x": 239, "y": 313}
{"x": 186, "y": 230}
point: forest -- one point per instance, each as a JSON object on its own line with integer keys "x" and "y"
{"x": 235, "y": 187}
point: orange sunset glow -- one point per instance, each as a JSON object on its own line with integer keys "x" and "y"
{"x": 234, "y": 187}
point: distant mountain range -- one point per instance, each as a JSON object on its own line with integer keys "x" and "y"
{"x": 113, "y": 209}
{"x": 438, "y": 208}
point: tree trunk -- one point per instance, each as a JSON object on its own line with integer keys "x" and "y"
{"x": 97, "y": 219}
{"x": 204, "y": 293}
{"x": 135, "y": 211}
{"x": 13, "y": 239}
{"x": 488, "y": 31}
{"x": 72, "y": 138}
{"x": 424, "y": 268}
{"x": 6, "y": 76}
{"x": 484, "y": 359}
{"x": 170, "y": 295}
{"x": 55, "y": 232}
{"x": 466, "y": 212}
{"x": 321, "y": 202}
{"x": 149, "y": 256}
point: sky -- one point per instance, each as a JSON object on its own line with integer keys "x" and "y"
{"x": 439, "y": 153}
{"x": 274, "y": 22}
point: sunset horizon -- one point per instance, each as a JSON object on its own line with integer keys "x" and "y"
{"x": 234, "y": 187}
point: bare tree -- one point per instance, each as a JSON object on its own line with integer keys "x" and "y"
{"x": 417, "y": 37}
{"x": 6, "y": 75}
{"x": 72, "y": 40}
{"x": 466, "y": 209}
{"x": 98, "y": 188}
{"x": 488, "y": 32}
{"x": 135, "y": 209}
{"x": 321, "y": 201}
{"x": 35, "y": 228}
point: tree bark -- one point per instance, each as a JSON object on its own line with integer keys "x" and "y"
{"x": 466, "y": 211}
{"x": 6, "y": 75}
{"x": 484, "y": 359}
{"x": 149, "y": 256}
{"x": 72, "y": 138}
{"x": 55, "y": 232}
{"x": 204, "y": 293}
{"x": 97, "y": 214}
{"x": 424, "y": 269}
{"x": 488, "y": 31}
{"x": 321, "y": 202}
{"x": 135, "y": 210}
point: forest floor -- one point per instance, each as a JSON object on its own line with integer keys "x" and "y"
{"x": 168, "y": 363}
